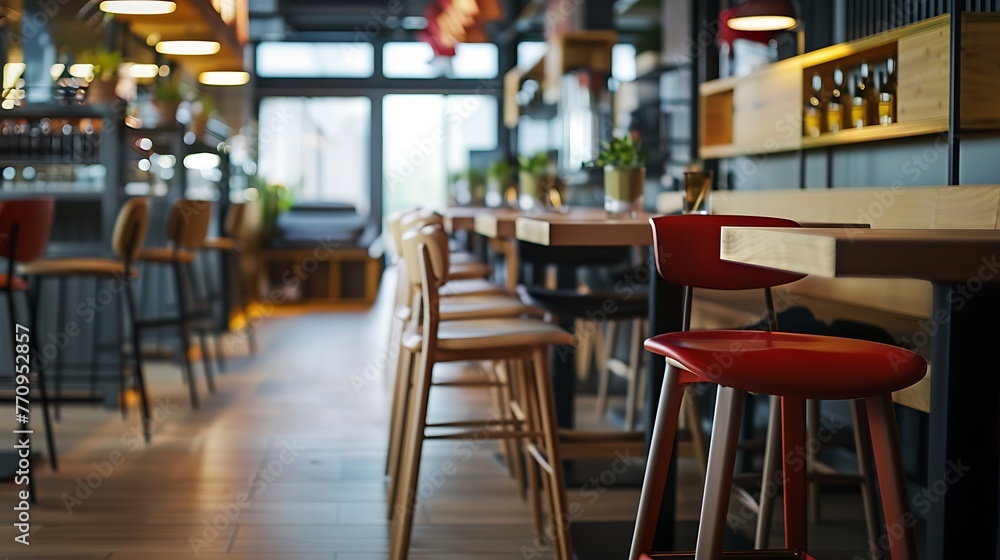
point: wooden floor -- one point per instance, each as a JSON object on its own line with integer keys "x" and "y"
{"x": 285, "y": 461}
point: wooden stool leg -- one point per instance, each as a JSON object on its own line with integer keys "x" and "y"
{"x": 550, "y": 429}
{"x": 513, "y": 447}
{"x": 863, "y": 449}
{"x": 721, "y": 462}
{"x": 891, "y": 479}
{"x": 501, "y": 408}
{"x": 657, "y": 463}
{"x": 793, "y": 442}
{"x": 530, "y": 400}
{"x": 400, "y": 408}
{"x": 413, "y": 442}
{"x": 769, "y": 478}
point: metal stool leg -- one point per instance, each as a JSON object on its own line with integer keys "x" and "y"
{"x": 50, "y": 440}
{"x": 137, "y": 356}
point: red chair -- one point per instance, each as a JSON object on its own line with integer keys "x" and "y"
{"x": 25, "y": 226}
{"x": 794, "y": 367}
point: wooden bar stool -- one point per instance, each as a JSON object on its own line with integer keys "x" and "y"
{"x": 187, "y": 227}
{"x": 25, "y": 226}
{"x": 126, "y": 240}
{"x": 462, "y": 307}
{"x": 532, "y": 419}
{"x": 794, "y": 367}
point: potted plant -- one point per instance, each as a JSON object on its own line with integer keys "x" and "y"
{"x": 106, "y": 62}
{"x": 624, "y": 167}
{"x": 167, "y": 98}
{"x": 201, "y": 110}
{"x": 534, "y": 180}
{"x": 497, "y": 180}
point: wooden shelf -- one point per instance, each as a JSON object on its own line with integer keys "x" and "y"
{"x": 845, "y": 137}
{"x": 570, "y": 51}
{"x": 761, "y": 113}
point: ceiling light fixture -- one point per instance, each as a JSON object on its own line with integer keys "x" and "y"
{"x": 763, "y": 15}
{"x": 224, "y": 78}
{"x": 143, "y": 71}
{"x": 188, "y": 48}
{"x": 138, "y": 7}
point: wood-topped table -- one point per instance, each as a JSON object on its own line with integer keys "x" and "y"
{"x": 961, "y": 498}
{"x": 463, "y": 218}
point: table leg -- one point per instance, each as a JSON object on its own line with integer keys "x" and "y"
{"x": 666, "y": 306}
{"x": 961, "y": 496}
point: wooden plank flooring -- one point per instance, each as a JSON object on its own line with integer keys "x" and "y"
{"x": 302, "y": 431}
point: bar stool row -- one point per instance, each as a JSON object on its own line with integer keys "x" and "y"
{"x": 446, "y": 312}
{"x": 25, "y": 227}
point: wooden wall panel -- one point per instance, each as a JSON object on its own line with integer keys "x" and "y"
{"x": 768, "y": 108}
{"x": 923, "y": 78}
{"x": 980, "y": 109}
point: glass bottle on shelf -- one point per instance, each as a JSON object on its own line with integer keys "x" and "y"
{"x": 870, "y": 93}
{"x": 834, "y": 107}
{"x": 887, "y": 94}
{"x": 859, "y": 104}
{"x": 813, "y": 115}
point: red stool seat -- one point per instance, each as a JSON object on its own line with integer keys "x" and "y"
{"x": 794, "y": 365}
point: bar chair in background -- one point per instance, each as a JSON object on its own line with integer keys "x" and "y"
{"x": 25, "y": 227}
{"x": 187, "y": 228}
{"x": 532, "y": 418}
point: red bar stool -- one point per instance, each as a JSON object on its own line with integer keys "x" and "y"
{"x": 25, "y": 226}
{"x": 794, "y": 367}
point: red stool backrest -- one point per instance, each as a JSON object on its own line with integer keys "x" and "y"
{"x": 33, "y": 218}
{"x": 687, "y": 253}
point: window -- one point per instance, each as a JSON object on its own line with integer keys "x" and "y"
{"x": 529, "y": 53}
{"x": 427, "y": 140}
{"x": 417, "y": 60}
{"x": 315, "y": 60}
{"x": 623, "y": 62}
{"x": 318, "y": 148}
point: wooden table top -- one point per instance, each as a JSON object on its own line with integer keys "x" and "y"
{"x": 584, "y": 229}
{"x": 937, "y": 255}
{"x": 501, "y": 225}
{"x": 462, "y": 218}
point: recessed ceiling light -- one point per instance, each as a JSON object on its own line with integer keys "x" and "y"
{"x": 188, "y": 48}
{"x": 223, "y": 78}
{"x": 138, "y": 7}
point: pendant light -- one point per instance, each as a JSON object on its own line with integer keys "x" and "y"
{"x": 763, "y": 15}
